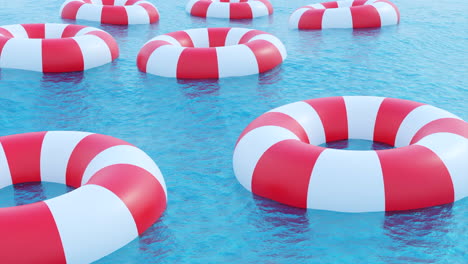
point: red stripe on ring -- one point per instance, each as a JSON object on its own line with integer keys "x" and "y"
{"x": 198, "y": 63}
{"x": 394, "y": 7}
{"x": 284, "y": 170}
{"x": 116, "y": 15}
{"x": 183, "y": 38}
{"x": 5, "y": 33}
{"x": 152, "y": 12}
{"x": 217, "y": 36}
{"x": 30, "y": 235}
{"x": 145, "y": 53}
{"x": 70, "y": 10}
{"x": 365, "y": 16}
{"x": 131, "y": 2}
{"x": 23, "y": 152}
{"x": 267, "y": 54}
{"x": 280, "y": 120}
{"x": 249, "y": 35}
{"x": 414, "y": 177}
{"x": 391, "y": 114}
{"x": 35, "y": 30}
{"x": 268, "y": 5}
{"x": 311, "y": 19}
{"x": 110, "y": 41}
{"x": 200, "y": 8}
{"x": 330, "y": 4}
{"x": 71, "y": 30}
{"x": 240, "y": 11}
{"x": 61, "y": 55}
{"x": 332, "y": 113}
{"x": 359, "y": 2}
{"x": 123, "y": 180}
{"x": 84, "y": 152}
{"x": 448, "y": 125}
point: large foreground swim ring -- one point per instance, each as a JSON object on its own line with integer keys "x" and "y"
{"x": 119, "y": 12}
{"x": 211, "y": 53}
{"x": 55, "y": 47}
{"x": 233, "y": 9}
{"x": 278, "y": 157}
{"x": 120, "y": 193}
{"x": 346, "y": 14}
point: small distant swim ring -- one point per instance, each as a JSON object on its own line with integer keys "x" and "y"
{"x": 277, "y": 156}
{"x": 118, "y": 12}
{"x": 346, "y": 14}
{"x": 211, "y": 53}
{"x": 55, "y": 47}
{"x": 233, "y": 9}
{"x": 120, "y": 193}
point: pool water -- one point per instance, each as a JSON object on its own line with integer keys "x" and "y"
{"x": 190, "y": 127}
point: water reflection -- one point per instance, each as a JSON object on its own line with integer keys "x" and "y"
{"x": 366, "y": 32}
{"x": 273, "y": 214}
{"x": 410, "y": 227}
{"x": 117, "y": 31}
{"x": 65, "y": 77}
{"x": 424, "y": 235}
{"x": 270, "y": 77}
{"x": 31, "y": 192}
{"x": 356, "y": 144}
{"x": 157, "y": 242}
{"x": 26, "y": 193}
{"x": 198, "y": 88}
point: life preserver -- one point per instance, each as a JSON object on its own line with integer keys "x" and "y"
{"x": 346, "y": 14}
{"x": 119, "y": 12}
{"x": 55, "y": 47}
{"x": 211, "y": 53}
{"x": 234, "y": 9}
{"x": 120, "y": 193}
{"x": 277, "y": 156}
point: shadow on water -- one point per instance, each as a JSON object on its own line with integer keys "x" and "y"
{"x": 410, "y": 227}
{"x": 277, "y": 214}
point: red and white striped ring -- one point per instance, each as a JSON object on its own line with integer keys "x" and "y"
{"x": 277, "y": 156}
{"x": 118, "y": 12}
{"x": 346, "y": 14}
{"x": 120, "y": 193}
{"x": 211, "y": 53}
{"x": 233, "y": 9}
{"x": 55, "y": 47}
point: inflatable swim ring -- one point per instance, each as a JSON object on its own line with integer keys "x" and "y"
{"x": 119, "y": 12}
{"x": 277, "y": 156}
{"x": 346, "y": 14}
{"x": 233, "y": 9}
{"x": 211, "y": 53}
{"x": 120, "y": 193}
{"x": 55, "y": 47}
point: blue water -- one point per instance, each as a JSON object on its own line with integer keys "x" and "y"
{"x": 190, "y": 127}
